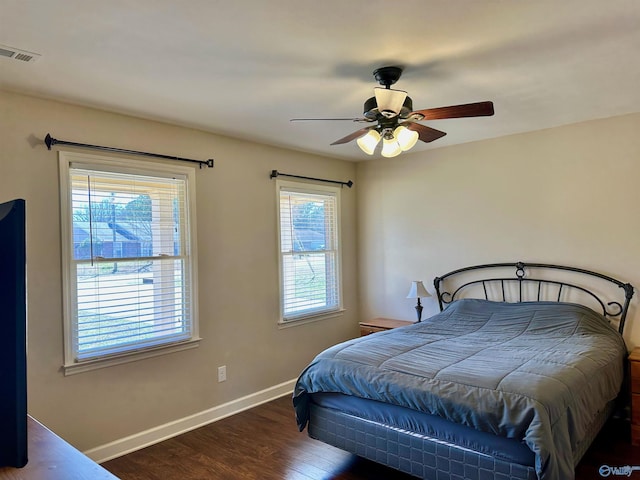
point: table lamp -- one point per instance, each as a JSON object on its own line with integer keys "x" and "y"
{"x": 418, "y": 291}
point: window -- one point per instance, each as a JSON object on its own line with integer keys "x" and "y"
{"x": 128, "y": 258}
{"x": 309, "y": 250}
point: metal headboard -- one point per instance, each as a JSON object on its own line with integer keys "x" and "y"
{"x": 610, "y": 309}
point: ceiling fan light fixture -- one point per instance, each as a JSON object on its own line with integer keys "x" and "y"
{"x": 390, "y": 147}
{"x": 368, "y": 142}
{"x": 406, "y": 138}
{"x": 389, "y": 101}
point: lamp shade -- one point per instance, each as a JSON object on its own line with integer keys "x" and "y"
{"x": 389, "y": 101}
{"x": 406, "y": 138}
{"x": 417, "y": 290}
{"x": 390, "y": 147}
{"x": 368, "y": 142}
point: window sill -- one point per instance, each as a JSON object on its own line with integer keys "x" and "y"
{"x": 311, "y": 319}
{"x": 88, "y": 365}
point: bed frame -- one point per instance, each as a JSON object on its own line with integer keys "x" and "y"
{"x": 430, "y": 458}
{"x": 542, "y": 288}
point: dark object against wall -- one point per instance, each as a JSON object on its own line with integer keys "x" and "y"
{"x": 13, "y": 330}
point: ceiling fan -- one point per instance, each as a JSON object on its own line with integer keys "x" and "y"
{"x": 396, "y": 123}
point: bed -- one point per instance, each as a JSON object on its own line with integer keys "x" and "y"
{"x": 513, "y": 379}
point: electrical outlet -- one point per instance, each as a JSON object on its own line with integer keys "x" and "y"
{"x": 222, "y": 373}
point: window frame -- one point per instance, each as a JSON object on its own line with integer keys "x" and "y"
{"x": 69, "y": 160}
{"x": 313, "y": 189}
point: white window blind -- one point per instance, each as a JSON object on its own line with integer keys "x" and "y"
{"x": 309, "y": 251}
{"x": 130, "y": 283}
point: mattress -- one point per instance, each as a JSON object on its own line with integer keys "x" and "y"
{"x": 433, "y": 426}
{"x": 537, "y": 373}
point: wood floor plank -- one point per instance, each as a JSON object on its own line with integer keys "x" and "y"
{"x": 264, "y": 443}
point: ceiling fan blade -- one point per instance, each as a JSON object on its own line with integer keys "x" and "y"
{"x": 479, "y": 109}
{"x": 352, "y": 136}
{"x": 330, "y": 119}
{"x": 426, "y": 134}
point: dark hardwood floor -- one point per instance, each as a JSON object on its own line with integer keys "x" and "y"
{"x": 264, "y": 444}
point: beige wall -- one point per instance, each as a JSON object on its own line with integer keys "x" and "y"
{"x": 236, "y": 220}
{"x": 568, "y": 195}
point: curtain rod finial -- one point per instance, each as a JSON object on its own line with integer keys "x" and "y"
{"x": 49, "y": 140}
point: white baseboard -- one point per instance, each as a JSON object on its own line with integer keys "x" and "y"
{"x": 163, "y": 432}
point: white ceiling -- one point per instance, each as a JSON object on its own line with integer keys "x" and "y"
{"x": 245, "y": 68}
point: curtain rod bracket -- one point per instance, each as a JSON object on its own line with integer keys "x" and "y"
{"x": 50, "y": 141}
{"x": 276, "y": 173}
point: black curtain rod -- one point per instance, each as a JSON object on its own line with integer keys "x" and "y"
{"x": 49, "y": 140}
{"x": 276, "y": 173}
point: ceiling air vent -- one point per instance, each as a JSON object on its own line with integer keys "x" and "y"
{"x": 17, "y": 54}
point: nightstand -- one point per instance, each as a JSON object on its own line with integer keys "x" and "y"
{"x": 380, "y": 325}
{"x": 634, "y": 364}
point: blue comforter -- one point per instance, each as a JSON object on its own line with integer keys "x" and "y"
{"x": 537, "y": 372}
